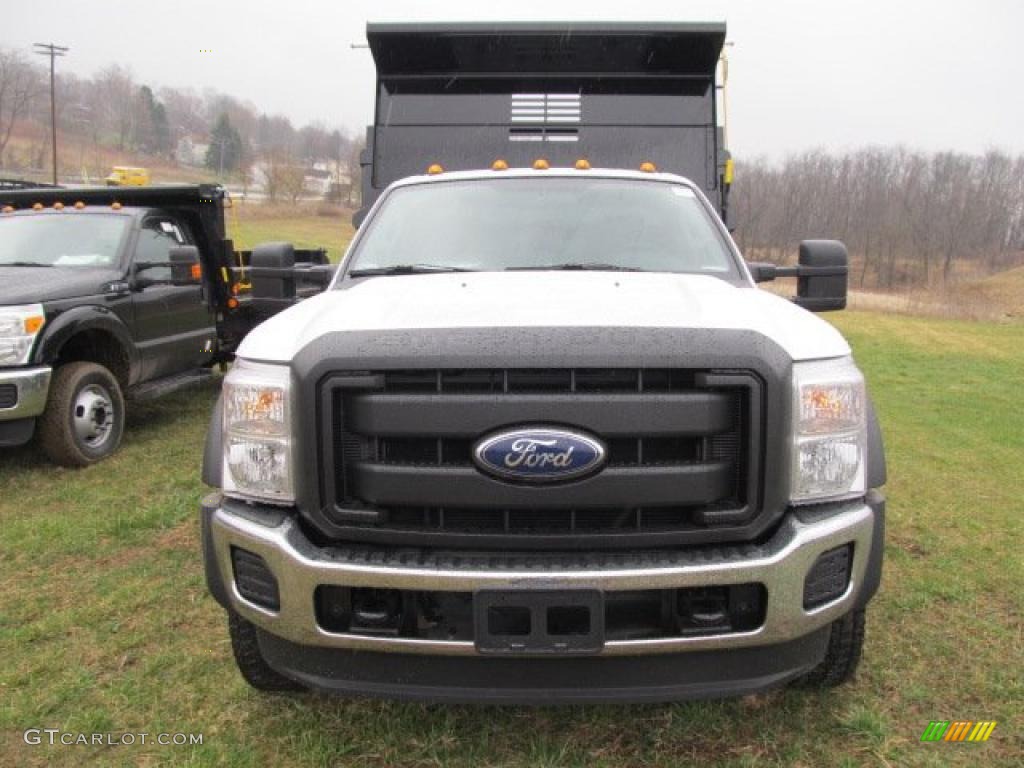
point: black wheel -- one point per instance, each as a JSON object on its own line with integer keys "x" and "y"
{"x": 84, "y": 417}
{"x": 843, "y": 655}
{"x": 254, "y": 669}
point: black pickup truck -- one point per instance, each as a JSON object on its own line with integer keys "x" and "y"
{"x": 108, "y": 295}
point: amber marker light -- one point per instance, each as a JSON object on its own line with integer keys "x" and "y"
{"x": 8, "y": 209}
{"x": 648, "y": 167}
{"x": 434, "y": 168}
{"x": 540, "y": 164}
{"x": 37, "y": 207}
{"x": 233, "y": 302}
{"x": 116, "y": 206}
{"x": 582, "y": 164}
{"x": 58, "y": 206}
{"x": 33, "y": 323}
{"x": 499, "y": 165}
{"x": 79, "y": 205}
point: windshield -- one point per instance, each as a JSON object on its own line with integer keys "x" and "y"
{"x": 558, "y": 223}
{"x": 61, "y": 240}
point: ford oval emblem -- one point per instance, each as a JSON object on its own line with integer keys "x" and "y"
{"x": 539, "y": 455}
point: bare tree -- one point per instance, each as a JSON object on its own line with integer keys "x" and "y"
{"x": 293, "y": 182}
{"x": 115, "y": 91}
{"x": 908, "y": 218}
{"x": 20, "y": 82}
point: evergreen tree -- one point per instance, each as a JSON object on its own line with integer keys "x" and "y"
{"x": 225, "y": 152}
{"x": 161, "y": 129}
{"x": 151, "y": 131}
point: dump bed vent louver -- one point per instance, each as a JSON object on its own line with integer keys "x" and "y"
{"x": 545, "y": 116}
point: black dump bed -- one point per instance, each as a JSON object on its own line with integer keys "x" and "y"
{"x": 617, "y": 94}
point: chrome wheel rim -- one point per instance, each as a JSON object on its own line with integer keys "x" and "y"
{"x": 93, "y": 416}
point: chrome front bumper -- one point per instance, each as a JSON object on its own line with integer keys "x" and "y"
{"x": 33, "y": 385}
{"x": 781, "y": 565}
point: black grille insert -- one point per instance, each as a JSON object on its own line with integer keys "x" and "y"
{"x": 684, "y": 456}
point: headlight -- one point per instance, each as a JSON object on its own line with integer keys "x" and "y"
{"x": 257, "y": 433}
{"x": 19, "y": 327}
{"x": 829, "y": 431}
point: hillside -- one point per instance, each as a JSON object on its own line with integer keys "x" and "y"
{"x": 83, "y": 162}
{"x": 1003, "y": 290}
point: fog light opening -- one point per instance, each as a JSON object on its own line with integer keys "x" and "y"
{"x": 829, "y": 577}
{"x": 254, "y": 580}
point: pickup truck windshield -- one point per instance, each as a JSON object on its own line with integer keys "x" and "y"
{"x": 61, "y": 239}
{"x": 545, "y": 223}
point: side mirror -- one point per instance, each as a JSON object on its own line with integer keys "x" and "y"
{"x": 272, "y": 267}
{"x": 822, "y": 275}
{"x": 185, "y": 267}
{"x": 183, "y": 263}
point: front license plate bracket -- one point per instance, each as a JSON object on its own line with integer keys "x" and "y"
{"x": 539, "y": 621}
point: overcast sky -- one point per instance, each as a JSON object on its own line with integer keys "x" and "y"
{"x": 942, "y": 74}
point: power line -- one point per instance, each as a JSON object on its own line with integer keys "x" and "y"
{"x": 53, "y": 51}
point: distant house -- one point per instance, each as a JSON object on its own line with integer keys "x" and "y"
{"x": 326, "y": 175}
{"x": 319, "y": 180}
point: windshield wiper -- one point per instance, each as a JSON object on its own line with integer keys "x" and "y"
{"x": 405, "y": 269}
{"x": 24, "y": 264}
{"x": 582, "y": 267}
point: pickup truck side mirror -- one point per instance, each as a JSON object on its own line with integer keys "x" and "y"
{"x": 280, "y": 278}
{"x": 185, "y": 267}
{"x": 272, "y": 268}
{"x": 183, "y": 263}
{"x": 823, "y": 271}
{"x": 821, "y": 275}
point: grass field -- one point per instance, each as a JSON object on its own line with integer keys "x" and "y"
{"x": 250, "y": 224}
{"x": 105, "y": 624}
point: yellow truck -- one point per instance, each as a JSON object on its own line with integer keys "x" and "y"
{"x": 125, "y": 176}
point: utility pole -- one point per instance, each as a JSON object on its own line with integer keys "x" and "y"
{"x": 53, "y": 51}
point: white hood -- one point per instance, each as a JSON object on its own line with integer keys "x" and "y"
{"x": 548, "y": 299}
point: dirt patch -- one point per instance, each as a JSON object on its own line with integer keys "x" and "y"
{"x": 909, "y": 546}
{"x": 184, "y": 537}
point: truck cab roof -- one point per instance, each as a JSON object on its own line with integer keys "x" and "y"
{"x": 532, "y": 173}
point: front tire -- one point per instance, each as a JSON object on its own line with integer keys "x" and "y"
{"x": 84, "y": 417}
{"x": 250, "y": 662}
{"x": 845, "y": 643}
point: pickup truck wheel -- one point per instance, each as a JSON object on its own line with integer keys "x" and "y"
{"x": 251, "y": 664}
{"x": 843, "y": 655}
{"x": 84, "y": 417}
